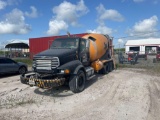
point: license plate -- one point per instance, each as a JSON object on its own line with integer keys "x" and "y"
{"x": 31, "y": 82}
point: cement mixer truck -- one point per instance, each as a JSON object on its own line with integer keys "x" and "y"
{"x": 72, "y": 61}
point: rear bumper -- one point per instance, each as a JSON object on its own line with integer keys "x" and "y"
{"x": 43, "y": 83}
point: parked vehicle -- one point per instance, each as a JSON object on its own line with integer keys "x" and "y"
{"x": 8, "y": 65}
{"x": 157, "y": 59}
{"x": 72, "y": 60}
{"x": 141, "y": 55}
{"x": 132, "y": 58}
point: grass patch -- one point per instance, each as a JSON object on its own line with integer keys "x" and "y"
{"x": 14, "y": 101}
{"x": 151, "y": 69}
{"x": 24, "y": 60}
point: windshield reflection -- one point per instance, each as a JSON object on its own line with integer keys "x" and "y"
{"x": 65, "y": 43}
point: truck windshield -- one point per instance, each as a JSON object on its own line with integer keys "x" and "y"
{"x": 65, "y": 43}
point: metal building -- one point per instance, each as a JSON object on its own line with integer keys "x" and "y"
{"x": 143, "y": 46}
{"x": 38, "y": 45}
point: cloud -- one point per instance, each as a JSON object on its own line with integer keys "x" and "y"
{"x": 56, "y": 26}
{"x": 68, "y": 13}
{"x": 138, "y": 1}
{"x": 2, "y": 4}
{"x": 155, "y": 2}
{"x": 13, "y": 2}
{"x": 14, "y": 23}
{"x": 109, "y": 14}
{"x": 102, "y": 30}
{"x": 145, "y": 28}
{"x": 5, "y": 3}
{"x": 120, "y": 41}
{"x": 103, "y": 15}
{"x": 33, "y": 13}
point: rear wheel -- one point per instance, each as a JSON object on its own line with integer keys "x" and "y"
{"x": 77, "y": 83}
{"x": 110, "y": 66}
{"x": 104, "y": 70}
{"x": 22, "y": 70}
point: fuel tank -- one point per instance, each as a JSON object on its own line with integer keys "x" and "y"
{"x": 98, "y": 45}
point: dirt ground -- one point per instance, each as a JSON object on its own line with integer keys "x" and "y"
{"x": 124, "y": 94}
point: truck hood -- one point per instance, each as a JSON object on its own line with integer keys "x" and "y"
{"x": 64, "y": 55}
{"x": 57, "y": 52}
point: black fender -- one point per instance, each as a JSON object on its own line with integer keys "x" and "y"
{"x": 73, "y": 66}
{"x": 78, "y": 68}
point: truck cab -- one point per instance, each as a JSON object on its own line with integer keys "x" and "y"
{"x": 62, "y": 52}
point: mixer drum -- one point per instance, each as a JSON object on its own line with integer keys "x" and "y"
{"x": 98, "y": 45}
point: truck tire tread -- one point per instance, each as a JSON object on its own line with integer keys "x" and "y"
{"x": 77, "y": 83}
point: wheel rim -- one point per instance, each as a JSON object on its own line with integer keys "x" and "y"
{"x": 80, "y": 81}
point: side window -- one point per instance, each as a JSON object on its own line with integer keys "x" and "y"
{"x": 82, "y": 45}
{"x": 2, "y": 61}
{"x": 9, "y": 61}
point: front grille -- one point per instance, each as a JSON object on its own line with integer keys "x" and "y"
{"x": 46, "y": 63}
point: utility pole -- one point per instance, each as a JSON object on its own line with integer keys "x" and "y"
{"x": 119, "y": 48}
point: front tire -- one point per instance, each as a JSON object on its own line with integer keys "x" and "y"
{"x": 22, "y": 70}
{"x": 77, "y": 83}
{"x": 22, "y": 80}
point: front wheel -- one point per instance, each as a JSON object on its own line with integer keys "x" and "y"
{"x": 22, "y": 80}
{"x": 77, "y": 83}
{"x": 22, "y": 70}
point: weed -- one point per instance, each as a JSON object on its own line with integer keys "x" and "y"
{"x": 13, "y": 101}
{"x": 24, "y": 60}
{"x": 151, "y": 69}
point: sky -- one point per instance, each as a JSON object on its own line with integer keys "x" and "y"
{"x": 121, "y": 19}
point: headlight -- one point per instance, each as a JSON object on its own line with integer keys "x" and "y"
{"x": 62, "y": 71}
{"x": 34, "y": 63}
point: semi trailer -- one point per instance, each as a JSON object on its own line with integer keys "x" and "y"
{"x": 72, "y": 61}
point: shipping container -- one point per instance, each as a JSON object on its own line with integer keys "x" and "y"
{"x": 38, "y": 45}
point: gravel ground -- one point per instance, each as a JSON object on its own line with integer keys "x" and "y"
{"x": 123, "y": 94}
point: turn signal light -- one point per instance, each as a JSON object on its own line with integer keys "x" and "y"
{"x": 66, "y": 71}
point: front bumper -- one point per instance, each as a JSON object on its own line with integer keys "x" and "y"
{"x": 43, "y": 83}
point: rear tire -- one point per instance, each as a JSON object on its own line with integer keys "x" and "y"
{"x": 104, "y": 70}
{"x": 22, "y": 70}
{"x": 77, "y": 83}
{"x": 110, "y": 66}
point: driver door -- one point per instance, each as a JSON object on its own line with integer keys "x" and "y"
{"x": 10, "y": 65}
{"x": 84, "y": 52}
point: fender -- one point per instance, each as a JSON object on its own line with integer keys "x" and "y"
{"x": 73, "y": 66}
{"x": 78, "y": 68}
